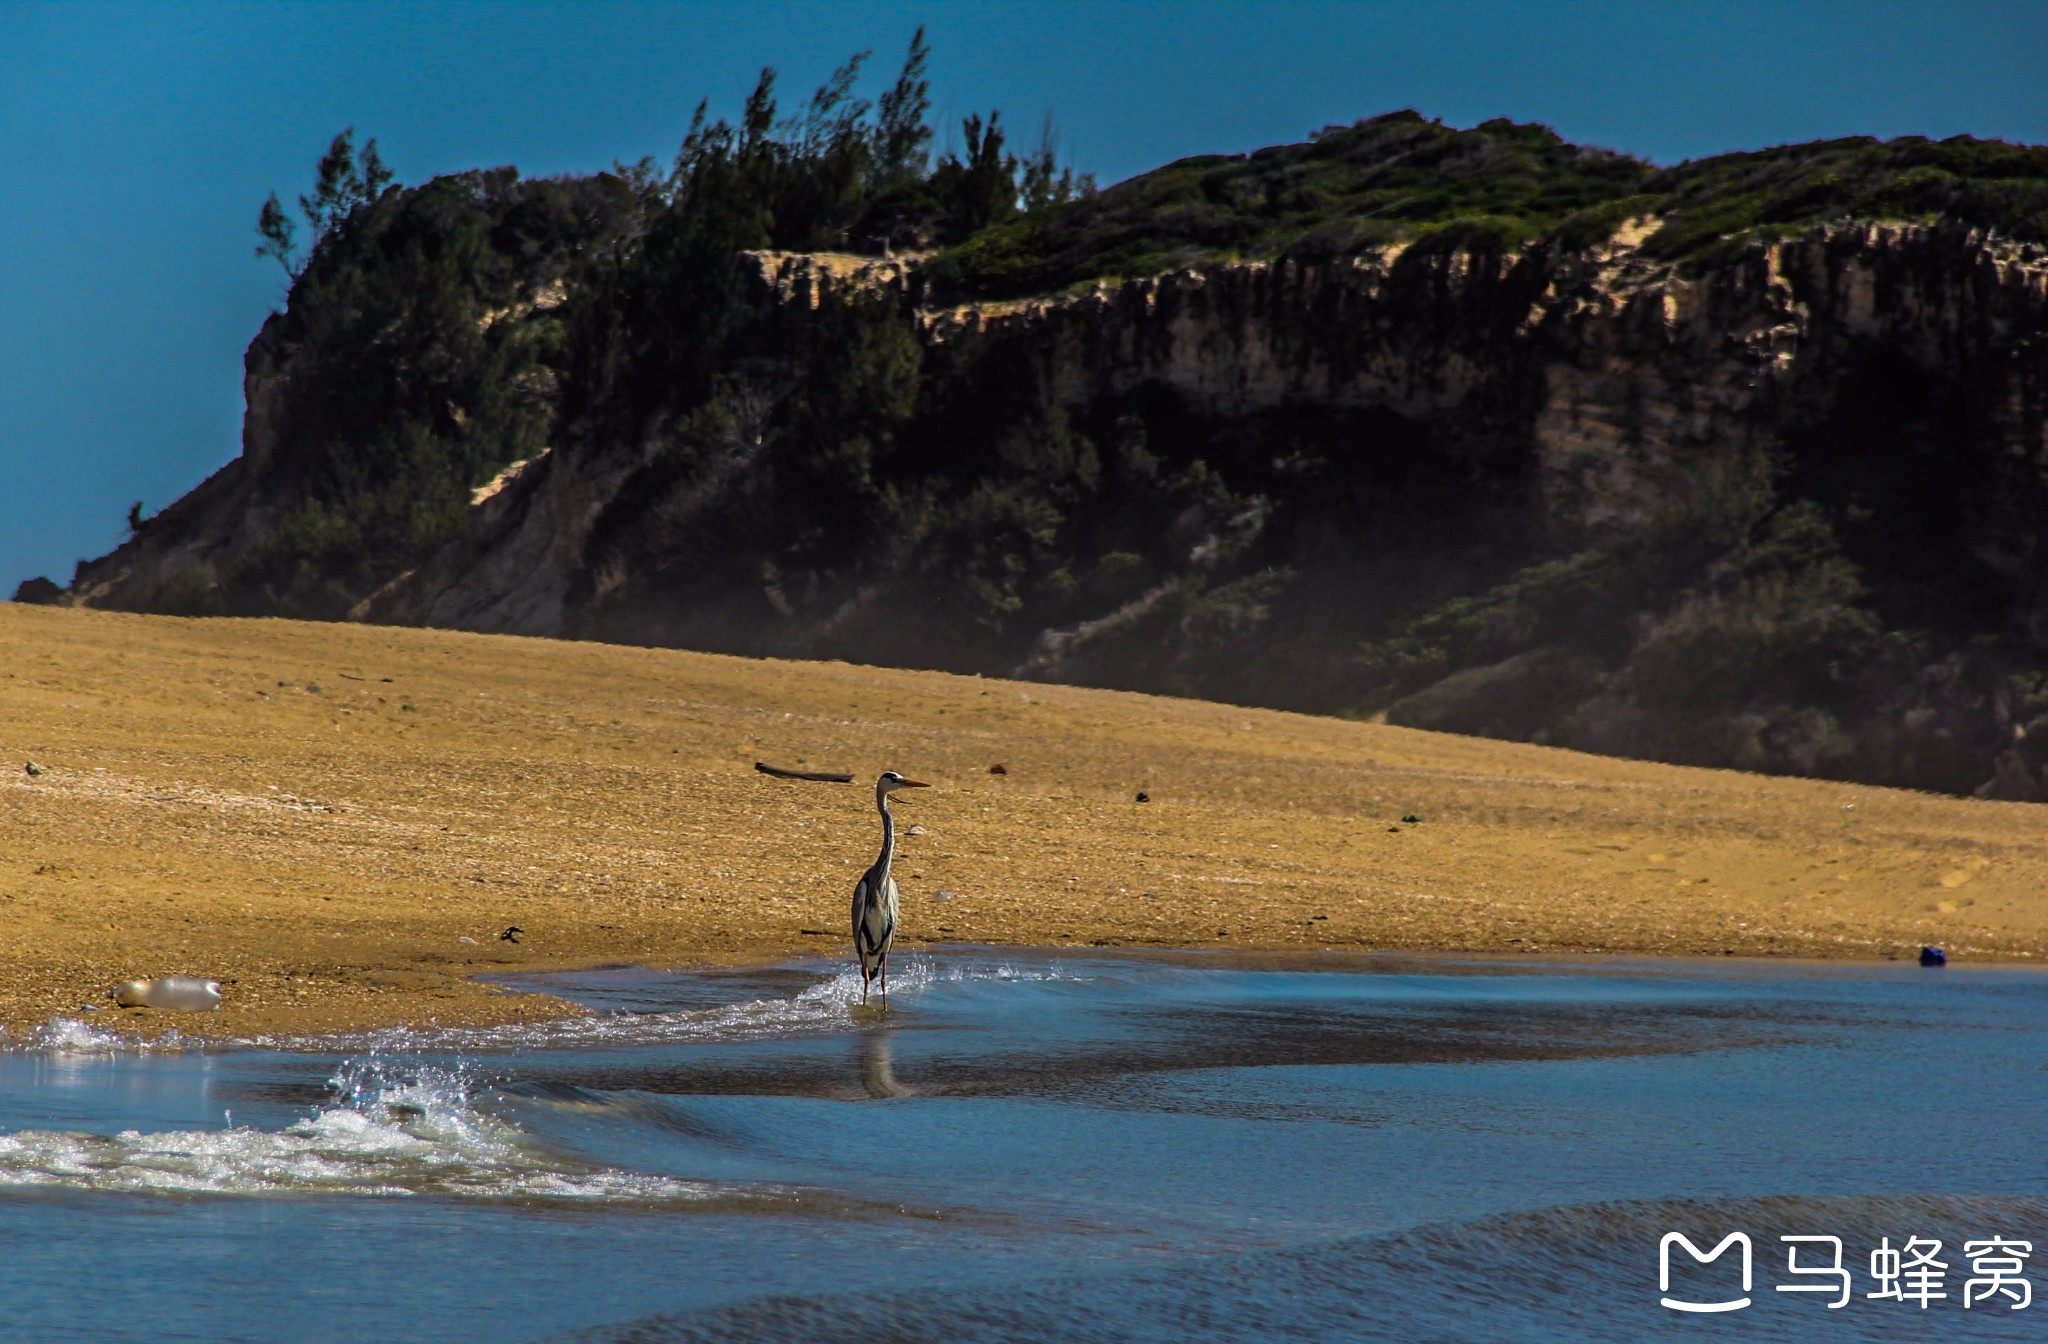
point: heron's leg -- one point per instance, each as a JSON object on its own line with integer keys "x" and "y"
{"x": 885, "y": 977}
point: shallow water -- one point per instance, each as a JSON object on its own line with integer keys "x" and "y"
{"x": 1063, "y": 1146}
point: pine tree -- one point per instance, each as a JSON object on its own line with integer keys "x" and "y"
{"x": 279, "y": 239}
{"x": 988, "y": 185}
{"x": 901, "y": 136}
{"x": 341, "y": 182}
{"x": 1044, "y": 181}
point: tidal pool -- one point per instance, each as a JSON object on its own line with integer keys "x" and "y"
{"x": 1054, "y": 1145}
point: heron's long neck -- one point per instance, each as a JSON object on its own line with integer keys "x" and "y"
{"x": 888, "y": 833}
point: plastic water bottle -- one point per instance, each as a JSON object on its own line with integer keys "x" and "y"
{"x": 179, "y": 993}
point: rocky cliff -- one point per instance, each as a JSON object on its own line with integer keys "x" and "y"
{"x": 1777, "y": 506}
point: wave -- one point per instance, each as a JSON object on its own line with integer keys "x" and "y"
{"x": 416, "y": 1131}
{"x": 829, "y": 1005}
{"x": 74, "y": 1036}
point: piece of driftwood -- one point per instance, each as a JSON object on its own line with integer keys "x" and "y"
{"x": 815, "y": 776}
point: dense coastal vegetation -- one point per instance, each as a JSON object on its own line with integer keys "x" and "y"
{"x": 1403, "y": 178}
{"x": 856, "y": 473}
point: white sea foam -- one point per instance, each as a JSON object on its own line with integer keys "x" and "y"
{"x": 826, "y": 1006}
{"x": 419, "y": 1130}
{"x": 70, "y": 1036}
{"x": 387, "y": 1133}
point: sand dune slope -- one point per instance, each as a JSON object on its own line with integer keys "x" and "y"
{"x": 341, "y": 820}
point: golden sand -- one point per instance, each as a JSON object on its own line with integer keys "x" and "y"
{"x": 339, "y": 822}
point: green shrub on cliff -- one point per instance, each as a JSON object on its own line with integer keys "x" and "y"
{"x": 1751, "y": 626}
{"x": 1404, "y": 177}
{"x": 427, "y": 350}
{"x": 656, "y": 321}
{"x": 419, "y": 366}
{"x": 1734, "y": 197}
{"x": 1389, "y": 177}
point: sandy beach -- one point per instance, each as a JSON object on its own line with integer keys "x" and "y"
{"x": 340, "y": 822}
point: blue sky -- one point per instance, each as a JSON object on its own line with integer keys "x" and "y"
{"x": 138, "y": 140}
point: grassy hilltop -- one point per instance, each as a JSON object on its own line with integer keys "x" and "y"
{"x": 1404, "y": 178}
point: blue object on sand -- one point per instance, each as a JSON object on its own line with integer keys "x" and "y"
{"x": 1933, "y": 956}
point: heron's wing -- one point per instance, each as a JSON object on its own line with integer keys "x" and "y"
{"x": 883, "y": 919}
{"x": 871, "y": 927}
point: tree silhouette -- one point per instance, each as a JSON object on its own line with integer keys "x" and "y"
{"x": 341, "y": 182}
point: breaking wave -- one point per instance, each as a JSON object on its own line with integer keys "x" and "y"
{"x": 829, "y": 1005}
{"x": 72, "y": 1036}
{"x": 418, "y": 1131}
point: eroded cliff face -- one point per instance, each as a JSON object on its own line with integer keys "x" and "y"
{"x": 1650, "y": 378}
{"x": 170, "y": 563}
{"x": 1380, "y": 420}
{"x": 1602, "y": 384}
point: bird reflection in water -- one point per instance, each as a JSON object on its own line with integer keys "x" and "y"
{"x": 877, "y": 1069}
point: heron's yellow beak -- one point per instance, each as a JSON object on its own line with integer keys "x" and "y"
{"x": 912, "y": 784}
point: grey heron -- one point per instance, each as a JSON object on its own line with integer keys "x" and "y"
{"x": 874, "y": 896}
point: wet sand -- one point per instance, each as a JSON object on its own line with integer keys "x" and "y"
{"x": 340, "y": 821}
